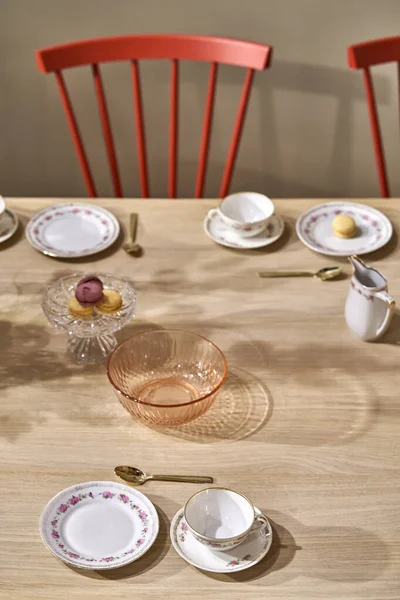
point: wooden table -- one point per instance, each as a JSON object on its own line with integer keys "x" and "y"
{"x": 307, "y": 425}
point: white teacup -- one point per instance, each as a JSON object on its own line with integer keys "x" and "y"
{"x": 247, "y": 213}
{"x": 220, "y": 518}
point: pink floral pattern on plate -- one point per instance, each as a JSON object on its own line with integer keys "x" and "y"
{"x": 106, "y": 495}
{"x": 104, "y": 220}
{"x": 145, "y": 537}
{"x": 235, "y": 563}
{"x": 374, "y": 228}
{"x": 183, "y": 531}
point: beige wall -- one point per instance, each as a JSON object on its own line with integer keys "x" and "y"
{"x": 306, "y": 134}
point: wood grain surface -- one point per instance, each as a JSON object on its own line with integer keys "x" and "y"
{"x": 307, "y": 424}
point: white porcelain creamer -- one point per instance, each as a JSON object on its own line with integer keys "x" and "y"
{"x": 369, "y": 308}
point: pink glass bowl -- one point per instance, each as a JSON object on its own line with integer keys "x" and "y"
{"x": 167, "y": 377}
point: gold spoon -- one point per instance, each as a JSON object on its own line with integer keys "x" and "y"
{"x": 137, "y": 477}
{"x": 131, "y": 247}
{"x": 323, "y": 274}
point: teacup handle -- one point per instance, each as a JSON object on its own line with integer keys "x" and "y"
{"x": 391, "y": 305}
{"x": 213, "y": 212}
{"x": 261, "y": 522}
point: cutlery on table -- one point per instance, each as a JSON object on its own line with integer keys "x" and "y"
{"x": 131, "y": 247}
{"x": 137, "y": 477}
{"x": 323, "y": 274}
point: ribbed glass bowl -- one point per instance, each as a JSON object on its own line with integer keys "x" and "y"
{"x": 167, "y": 377}
{"x": 91, "y": 338}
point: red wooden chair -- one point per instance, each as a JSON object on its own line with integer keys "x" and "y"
{"x": 363, "y": 56}
{"x": 173, "y": 47}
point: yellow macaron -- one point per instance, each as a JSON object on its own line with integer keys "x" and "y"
{"x": 77, "y": 310}
{"x": 344, "y": 226}
{"x": 111, "y": 302}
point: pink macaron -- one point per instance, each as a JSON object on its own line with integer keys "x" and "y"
{"x": 89, "y": 291}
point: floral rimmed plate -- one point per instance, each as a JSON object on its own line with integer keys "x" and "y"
{"x": 72, "y": 230}
{"x": 244, "y": 556}
{"x": 314, "y": 228}
{"x": 99, "y": 525}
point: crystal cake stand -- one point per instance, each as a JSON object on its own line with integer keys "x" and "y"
{"x": 91, "y": 339}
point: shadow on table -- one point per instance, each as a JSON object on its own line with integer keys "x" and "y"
{"x": 26, "y": 359}
{"x": 147, "y": 562}
{"x": 351, "y": 402}
{"x": 16, "y": 237}
{"x": 344, "y": 411}
{"x": 339, "y": 554}
{"x": 242, "y": 407}
{"x": 35, "y": 355}
{"x": 392, "y": 337}
{"x": 384, "y": 252}
{"x": 135, "y": 328}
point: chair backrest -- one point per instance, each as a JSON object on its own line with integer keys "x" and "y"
{"x": 174, "y": 48}
{"x": 363, "y": 56}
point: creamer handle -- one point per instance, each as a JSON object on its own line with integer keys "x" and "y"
{"x": 391, "y": 305}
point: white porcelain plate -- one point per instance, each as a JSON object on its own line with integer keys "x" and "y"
{"x": 314, "y": 228}
{"x": 244, "y": 556}
{"x": 99, "y": 525}
{"x": 8, "y": 225}
{"x": 216, "y": 229}
{"x": 72, "y": 230}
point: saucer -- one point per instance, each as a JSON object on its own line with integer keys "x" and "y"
{"x": 72, "y": 230}
{"x": 8, "y": 225}
{"x": 314, "y": 228}
{"x": 216, "y": 229}
{"x": 99, "y": 525}
{"x": 244, "y": 556}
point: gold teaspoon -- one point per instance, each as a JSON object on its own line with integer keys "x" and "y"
{"x": 137, "y": 477}
{"x": 323, "y": 274}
